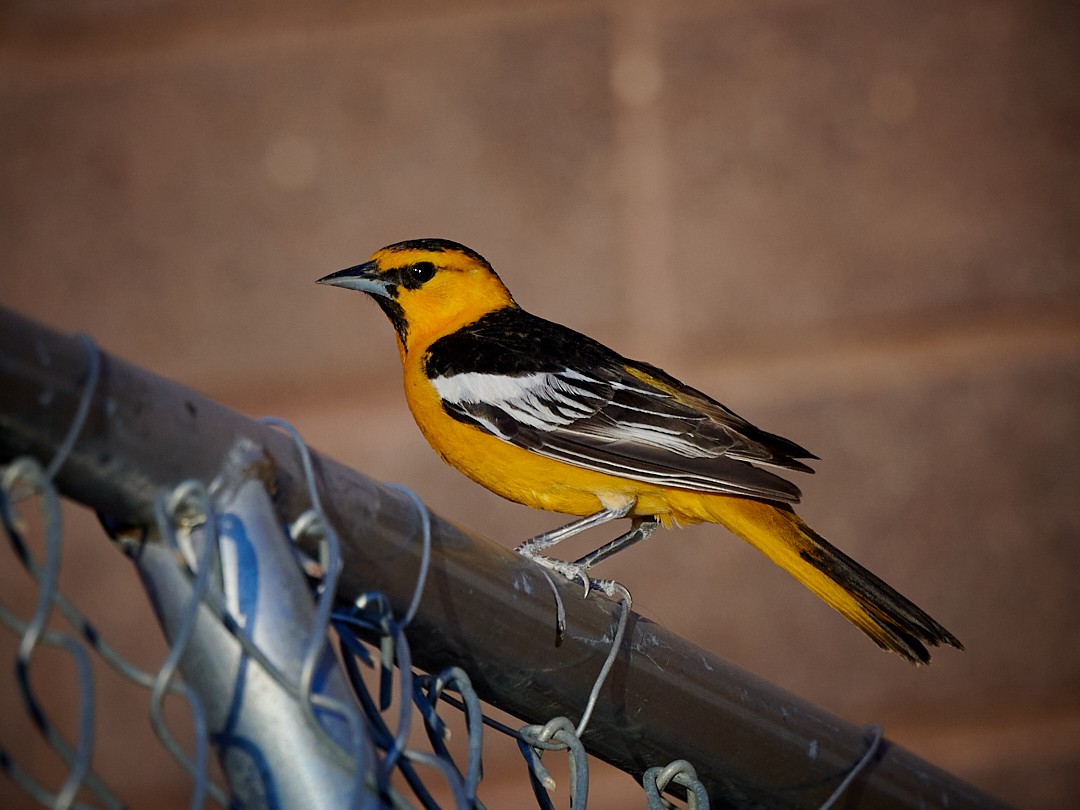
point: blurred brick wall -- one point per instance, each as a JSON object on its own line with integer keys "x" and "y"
{"x": 856, "y": 224}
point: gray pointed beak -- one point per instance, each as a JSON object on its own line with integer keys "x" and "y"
{"x": 364, "y": 277}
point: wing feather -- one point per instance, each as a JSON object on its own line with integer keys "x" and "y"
{"x": 560, "y": 394}
{"x": 616, "y": 426}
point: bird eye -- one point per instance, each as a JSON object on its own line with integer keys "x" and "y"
{"x": 422, "y": 271}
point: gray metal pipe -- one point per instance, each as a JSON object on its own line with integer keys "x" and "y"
{"x": 484, "y": 609}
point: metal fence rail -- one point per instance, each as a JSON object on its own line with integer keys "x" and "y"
{"x": 750, "y": 743}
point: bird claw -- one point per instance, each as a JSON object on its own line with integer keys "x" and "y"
{"x": 576, "y": 572}
{"x": 573, "y": 572}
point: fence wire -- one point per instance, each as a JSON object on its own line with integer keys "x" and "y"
{"x": 297, "y": 697}
{"x": 366, "y": 743}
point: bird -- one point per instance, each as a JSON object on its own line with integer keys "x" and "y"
{"x": 548, "y": 417}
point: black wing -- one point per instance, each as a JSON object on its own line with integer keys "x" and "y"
{"x": 560, "y": 394}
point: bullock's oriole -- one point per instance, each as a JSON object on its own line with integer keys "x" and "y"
{"x": 550, "y": 418}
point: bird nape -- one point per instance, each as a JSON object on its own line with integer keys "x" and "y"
{"x": 548, "y": 417}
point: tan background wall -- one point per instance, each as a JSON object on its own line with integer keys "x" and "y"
{"x": 854, "y": 223}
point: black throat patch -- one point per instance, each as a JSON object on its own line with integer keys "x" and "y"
{"x": 396, "y": 315}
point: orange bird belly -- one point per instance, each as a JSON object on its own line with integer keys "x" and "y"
{"x": 542, "y": 483}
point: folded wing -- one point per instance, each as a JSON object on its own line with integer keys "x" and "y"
{"x": 568, "y": 398}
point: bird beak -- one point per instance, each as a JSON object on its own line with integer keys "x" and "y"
{"x": 364, "y": 277}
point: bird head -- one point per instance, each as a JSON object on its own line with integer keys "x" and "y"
{"x": 426, "y": 287}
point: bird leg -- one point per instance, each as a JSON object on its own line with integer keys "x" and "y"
{"x": 642, "y": 527}
{"x": 531, "y": 548}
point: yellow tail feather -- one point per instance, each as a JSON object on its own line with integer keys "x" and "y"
{"x": 890, "y": 619}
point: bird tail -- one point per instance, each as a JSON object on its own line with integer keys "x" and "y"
{"x": 891, "y": 620}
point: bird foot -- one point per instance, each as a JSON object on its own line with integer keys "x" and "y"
{"x": 574, "y": 572}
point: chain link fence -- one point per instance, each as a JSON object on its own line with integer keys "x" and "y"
{"x": 318, "y": 670}
{"x": 292, "y": 724}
